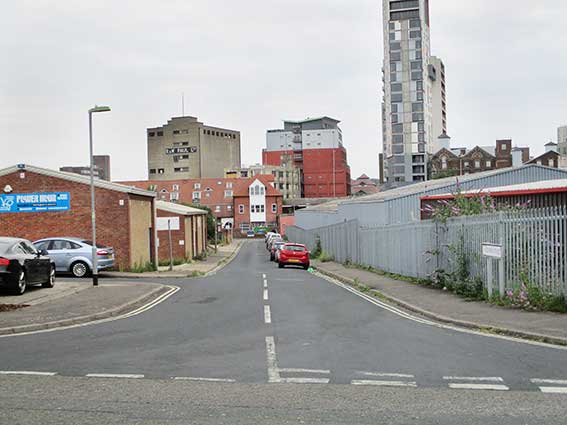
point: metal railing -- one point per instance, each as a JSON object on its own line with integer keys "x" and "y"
{"x": 534, "y": 243}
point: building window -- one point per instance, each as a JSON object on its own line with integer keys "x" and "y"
{"x": 477, "y": 164}
{"x": 181, "y": 169}
{"x": 504, "y": 146}
{"x": 489, "y": 163}
{"x": 151, "y": 134}
{"x": 152, "y": 170}
{"x": 175, "y": 188}
{"x": 262, "y": 208}
{"x": 229, "y": 207}
{"x": 252, "y": 209}
{"x": 196, "y": 195}
{"x": 274, "y": 208}
{"x": 217, "y": 208}
{"x": 444, "y": 162}
{"x": 551, "y": 163}
{"x": 227, "y": 193}
{"x": 160, "y": 133}
{"x": 174, "y": 196}
{"x": 161, "y": 171}
{"x": 241, "y": 209}
{"x": 229, "y": 185}
{"x": 175, "y": 131}
{"x": 197, "y": 186}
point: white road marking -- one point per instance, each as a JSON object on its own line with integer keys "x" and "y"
{"x": 263, "y": 275}
{"x": 492, "y": 387}
{"x": 473, "y": 378}
{"x": 273, "y": 373}
{"x": 386, "y": 375}
{"x": 267, "y": 314}
{"x": 26, "y": 372}
{"x": 114, "y": 375}
{"x": 553, "y": 390}
{"x": 265, "y": 295}
{"x": 298, "y": 370}
{"x": 416, "y": 319}
{"x": 304, "y": 380}
{"x": 265, "y": 283}
{"x": 383, "y": 383}
{"x": 549, "y": 381}
{"x": 189, "y": 378}
{"x": 140, "y": 310}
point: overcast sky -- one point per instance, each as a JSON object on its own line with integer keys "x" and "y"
{"x": 248, "y": 64}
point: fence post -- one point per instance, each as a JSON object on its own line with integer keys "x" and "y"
{"x": 502, "y": 262}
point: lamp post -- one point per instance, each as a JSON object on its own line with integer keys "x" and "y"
{"x": 93, "y": 213}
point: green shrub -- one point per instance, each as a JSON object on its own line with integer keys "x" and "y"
{"x": 318, "y": 250}
{"x": 325, "y": 257}
{"x": 143, "y": 267}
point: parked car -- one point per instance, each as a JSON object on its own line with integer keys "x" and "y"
{"x": 269, "y": 239}
{"x": 293, "y": 254}
{"x": 272, "y": 242}
{"x": 275, "y": 247}
{"x": 75, "y": 255}
{"x": 250, "y": 234}
{"x": 22, "y": 264}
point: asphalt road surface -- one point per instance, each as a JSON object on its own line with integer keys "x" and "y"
{"x": 258, "y": 344}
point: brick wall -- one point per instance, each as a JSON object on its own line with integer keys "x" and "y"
{"x": 112, "y": 218}
{"x": 179, "y": 251}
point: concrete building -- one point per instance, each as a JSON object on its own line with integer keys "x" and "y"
{"x": 185, "y": 148}
{"x": 287, "y": 177}
{"x": 256, "y": 204}
{"x": 188, "y": 228}
{"x": 101, "y": 168}
{"x": 37, "y": 203}
{"x": 562, "y": 140}
{"x": 315, "y": 146}
{"x": 414, "y": 106}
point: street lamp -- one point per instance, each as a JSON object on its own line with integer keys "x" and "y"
{"x": 93, "y": 213}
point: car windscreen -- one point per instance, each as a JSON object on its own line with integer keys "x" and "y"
{"x": 294, "y": 248}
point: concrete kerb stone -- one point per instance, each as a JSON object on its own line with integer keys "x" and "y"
{"x": 117, "y": 311}
{"x": 225, "y": 262}
{"x": 448, "y": 320}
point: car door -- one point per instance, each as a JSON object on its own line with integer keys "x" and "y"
{"x": 59, "y": 252}
{"x": 31, "y": 262}
{"x": 42, "y": 263}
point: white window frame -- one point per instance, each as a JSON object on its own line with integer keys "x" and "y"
{"x": 228, "y": 193}
{"x": 229, "y": 185}
{"x": 196, "y": 195}
{"x": 175, "y": 188}
{"x": 218, "y": 208}
{"x": 197, "y": 186}
{"x": 274, "y": 208}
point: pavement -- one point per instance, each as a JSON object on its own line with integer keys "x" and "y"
{"x": 255, "y": 344}
{"x": 213, "y": 262}
{"x": 449, "y": 308}
{"x": 74, "y": 301}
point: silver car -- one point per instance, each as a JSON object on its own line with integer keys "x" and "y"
{"x": 75, "y": 255}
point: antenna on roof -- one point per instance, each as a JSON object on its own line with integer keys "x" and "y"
{"x": 182, "y": 104}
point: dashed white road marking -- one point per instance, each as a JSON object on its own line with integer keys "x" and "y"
{"x": 114, "y": 375}
{"x": 383, "y": 383}
{"x": 299, "y": 370}
{"x": 551, "y": 389}
{"x": 263, "y": 275}
{"x": 416, "y": 319}
{"x": 304, "y": 380}
{"x": 273, "y": 374}
{"x": 267, "y": 314}
{"x": 493, "y": 387}
{"x": 386, "y": 375}
{"x": 265, "y": 295}
{"x": 265, "y": 283}
{"x": 474, "y": 378}
{"x": 190, "y": 378}
{"x": 26, "y": 372}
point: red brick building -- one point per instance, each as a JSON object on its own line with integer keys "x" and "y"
{"x": 215, "y": 194}
{"x": 188, "y": 228}
{"x": 364, "y": 185}
{"x": 124, "y": 215}
{"x": 315, "y": 146}
{"x": 256, "y": 204}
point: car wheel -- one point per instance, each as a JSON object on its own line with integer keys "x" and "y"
{"x": 51, "y": 280}
{"x": 21, "y": 285}
{"x": 79, "y": 269}
{"x": 306, "y": 266}
{"x": 271, "y": 257}
{"x": 280, "y": 265}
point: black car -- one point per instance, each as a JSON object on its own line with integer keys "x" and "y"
{"x": 21, "y": 264}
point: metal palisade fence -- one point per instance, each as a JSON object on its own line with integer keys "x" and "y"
{"x": 534, "y": 243}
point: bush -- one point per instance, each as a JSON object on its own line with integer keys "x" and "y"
{"x": 325, "y": 257}
{"x": 143, "y": 268}
{"x": 176, "y": 261}
{"x": 318, "y": 250}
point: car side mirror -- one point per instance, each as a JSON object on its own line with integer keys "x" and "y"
{"x": 43, "y": 252}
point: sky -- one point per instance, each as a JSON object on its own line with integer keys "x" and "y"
{"x": 247, "y": 65}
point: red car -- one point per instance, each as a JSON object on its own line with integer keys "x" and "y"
{"x": 293, "y": 254}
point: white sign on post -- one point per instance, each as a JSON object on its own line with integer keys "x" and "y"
{"x": 161, "y": 223}
{"x": 492, "y": 250}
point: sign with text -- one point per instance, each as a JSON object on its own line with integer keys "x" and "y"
{"x": 161, "y": 223}
{"x": 35, "y": 202}
{"x": 177, "y": 151}
{"x": 492, "y": 250}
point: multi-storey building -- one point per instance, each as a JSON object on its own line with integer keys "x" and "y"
{"x": 414, "y": 105}
{"x": 101, "y": 168}
{"x": 185, "y": 148}
{"x": 287, "y": 177}
{"x": 315, "y": 145}
{"x": 562, "y": 140}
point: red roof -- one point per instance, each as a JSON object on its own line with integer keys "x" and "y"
{"x": 241, "y": 186}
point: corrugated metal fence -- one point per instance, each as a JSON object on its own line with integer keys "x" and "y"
{"x": 534, "y": 242}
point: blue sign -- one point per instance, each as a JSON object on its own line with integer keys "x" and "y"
{"x": 35, "y": 202}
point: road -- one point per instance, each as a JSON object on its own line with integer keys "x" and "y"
{"x": 259, "y": 344}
